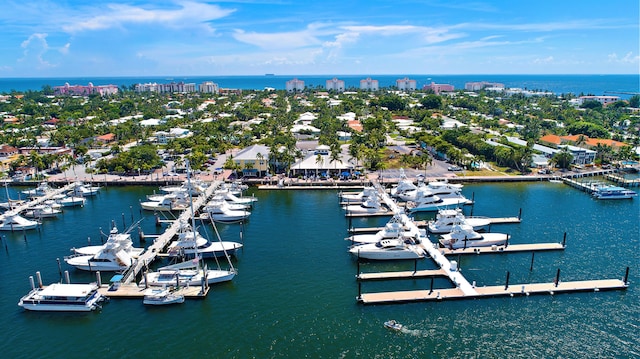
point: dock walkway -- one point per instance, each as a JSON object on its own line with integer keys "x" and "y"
{"x": 163, "y": 240}
{"x": 39, "y": 200}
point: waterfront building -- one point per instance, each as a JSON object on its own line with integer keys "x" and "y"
{"x": 253, "y": 161}
{"x": 406, "y": 84}
{"x": 437, "y": 88}
{"x": 477, "y": 86}
{"x": 208, "y": 87}
{"x": 335, "y": 85}
{"x": 295, "y": 85}
{"x": 369, "y": 84}
{"x": 80, "y": 90}
{"x": 171, "y": 87}
{"x": 604, "y": 100}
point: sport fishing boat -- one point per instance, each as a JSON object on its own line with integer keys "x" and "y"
{"x": 463, "y": 236}
{"x": 12, "y": 221}
{"x": 389, "y": 249}
{"x": 446, "y": 219}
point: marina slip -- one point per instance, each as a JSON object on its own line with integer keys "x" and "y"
{"x": 296, "y": 287}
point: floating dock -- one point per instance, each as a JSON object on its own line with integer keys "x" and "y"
{"x": 462, "y": 288}
{"x": 132, "y": 290}
{"x": 492, "y": 291}
{"x": 163, "y": 240}
{"x": 40, "y": 199}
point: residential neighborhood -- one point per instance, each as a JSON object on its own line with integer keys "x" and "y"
{"x": 312, "y": 133}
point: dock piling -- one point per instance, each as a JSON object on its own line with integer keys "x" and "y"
{"x": 39, "y": 278}
{"x": 520, "y": 214}
{"x": 66, "y": 277}
{"x": 506, "y": 285}
{"x": 564, "y": 239}
{"x": 557, "y": 279}
{"x": 626, "y": 276}
{"x": 533, "y": 255}
{"x": 431, "y": 288}
{"x": 59, "y": 268}
{"x": 99, "y": 278}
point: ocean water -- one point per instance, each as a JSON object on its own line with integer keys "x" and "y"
{"x": 559, "y": 84}
{"x": 295, "y": 294}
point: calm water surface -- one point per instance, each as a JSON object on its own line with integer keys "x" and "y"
{"x": 295, "y": 292}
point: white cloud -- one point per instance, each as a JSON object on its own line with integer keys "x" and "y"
{"x": 185, "y": 14}
{"x": 35, "y": 47}
{"x": 543, "y": 61}
{"x": 278, "y": 40}
{"x": 627, "y": 59}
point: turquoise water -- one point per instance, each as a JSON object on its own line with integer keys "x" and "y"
{"x": 295, "y": 292}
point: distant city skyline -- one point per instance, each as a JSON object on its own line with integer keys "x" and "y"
{"x": 74, "y": 38}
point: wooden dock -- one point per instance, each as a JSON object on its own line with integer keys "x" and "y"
{"x": 132, "y": 290}
{"x": 492, "y": 291}
{"x": 163, "y": 240}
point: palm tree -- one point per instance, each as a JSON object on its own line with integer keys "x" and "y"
{"x": 319, "y": 162}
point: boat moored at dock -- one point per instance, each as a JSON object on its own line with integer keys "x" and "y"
{"x": 62, "y": 297}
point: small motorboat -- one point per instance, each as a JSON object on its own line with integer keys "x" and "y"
{"x": 161, "y": 296}
{"x": 393, "y": 325}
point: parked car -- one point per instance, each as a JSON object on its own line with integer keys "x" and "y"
{"x": 454, "y": 168}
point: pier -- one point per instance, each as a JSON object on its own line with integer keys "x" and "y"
{"x": 462, "y": 288}
{"x": 40, "y": 199}
{"x": 492, "y": 291}
{"x": 163, "y": 240}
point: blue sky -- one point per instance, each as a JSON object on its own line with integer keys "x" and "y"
{"x": 70, "y": 38}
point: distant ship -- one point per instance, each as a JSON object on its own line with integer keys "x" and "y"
{"x": 269, "y": 74}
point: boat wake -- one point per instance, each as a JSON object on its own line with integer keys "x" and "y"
{"x": 415, "y": 332}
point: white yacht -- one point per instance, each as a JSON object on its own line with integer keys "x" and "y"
{"x": 219, "y": 211}
{"x": 11, "y": 221}
{"x": 371, "y": 205}
{"x": 187, "y": 246}
{"x": 392, "y": 229}
{"x": 187, "y": 274}
{"x": 446, "y": 219}
{"x": 62, "y": 297}
{"x": 161, "y": 296}
{"x": 228, "y": 196}
{"x": 389, "y": 249}
{"x": 111, "y": 257}
{"x": 168, "y": 202}
{"x": 195, "y": 188}
{"x": 613, "y": 192}
{"x": 42, "y": 211}
{"x": 122, "y": 240}
{"x": 358, "y": 197}
{"x": 82, "y": 190}
{"x": 69, "y": 201}
{"x": 428, "y": 202}
{"x": 441, "y": 188}
{"x": 42, "y": 189}
{"x": 463, "y": 236}
{"x": 404, "y": 185}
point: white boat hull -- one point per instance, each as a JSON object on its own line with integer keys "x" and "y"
{"x": 486, "y": 240}
{"x": 444, "y": 203}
